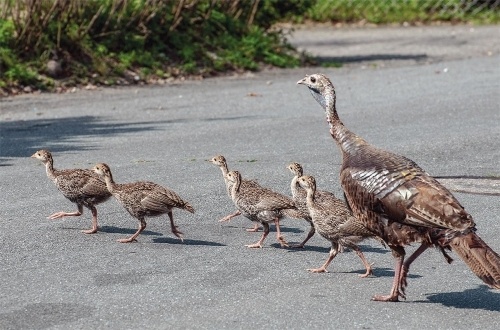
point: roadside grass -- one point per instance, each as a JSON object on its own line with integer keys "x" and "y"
{"x": 401, "y": 11}
{"x": 55, "y": 45}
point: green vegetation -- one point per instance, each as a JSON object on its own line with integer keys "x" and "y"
{"x": 399, "y": 11}
{"x": 47, "y": 44}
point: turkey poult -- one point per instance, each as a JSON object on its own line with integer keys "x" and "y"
{"x": 260, "y": 205}
{"x": 143, "y": 199}
{"x": 400, "y": 203}
{"x": 299, "y": 198}
{"x": 81, "y": 186}
{"x": 335, "y": 222}
{"x": 220, "y": 161}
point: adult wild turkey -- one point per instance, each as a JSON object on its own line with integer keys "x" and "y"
{"x": 400, "y": 202}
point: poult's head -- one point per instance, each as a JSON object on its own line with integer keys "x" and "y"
{"x": 233, "y": 176}
{"x": 295, "y": 168}
{"x": 43, "y": 155}
{"x": 218, "y": 160}
{"x": 102, "y": 170}
{"x": 307, "y": 182}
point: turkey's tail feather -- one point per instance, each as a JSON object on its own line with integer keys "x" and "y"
{"x": 480, "y": 258}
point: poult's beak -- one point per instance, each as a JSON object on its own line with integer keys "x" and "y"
{"x": 34, "y": 155}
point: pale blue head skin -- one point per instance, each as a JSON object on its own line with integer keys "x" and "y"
{"x": 322, "y": 90}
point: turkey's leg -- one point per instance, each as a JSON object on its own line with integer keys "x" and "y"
{"x": 142, "y": 226}
{"x": 264, "y": 235}
{"x": 367, "y": 265}
{"x": 399, "y": 254}
{"x": 93, "y": 230}
{"x": 175, "y": 231}
{"x": 406, "y": 265}
{"x": 309, "y": 235}
{"x": 62, "y": 214}
{"x": 333, "y": 252}
{"x": 280, "y": 238}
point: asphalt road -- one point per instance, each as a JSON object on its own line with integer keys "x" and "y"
{"x": 442, "y": 113}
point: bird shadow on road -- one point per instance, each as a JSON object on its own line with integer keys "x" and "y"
{"x": 481, "y": 297}
{"x": 187, "y": 241}
{"x": 21, "y": 138}
{"x": 118, "y": 230}
{"x": 389, "y": 272}
{"x": 370, "y": 58}
{"x": 326, "y": 249}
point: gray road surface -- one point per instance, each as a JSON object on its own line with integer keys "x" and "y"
{"x": 444, "y": 114}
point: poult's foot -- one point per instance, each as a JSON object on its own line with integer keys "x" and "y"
{"x": 90, "y": 231}
{"x": 126, "y": 240}
{"x": 318, "y": 270}
{"x": 57, "y": 215}
{"x": 368, "y": 273}
{"x": 254, "y": 246}
{"x": 178, "y": 233}
{"x": 282, "y": 242}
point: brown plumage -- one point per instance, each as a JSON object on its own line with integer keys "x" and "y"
{"x": 399, "y": 202}
{"x": 259, "y": 204}
{"x": 81, "y": 186}
{"x": 335, "y": 222}
{"x": 220, "y": 161}
{"x": 143, "y": 199}
{"x": 299, "y": 198}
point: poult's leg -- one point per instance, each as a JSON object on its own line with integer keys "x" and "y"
{"x": 309, "y": 235}
{"x": 142, "y": 226}
{"x": 93, "y": 230}
{"x": 368, "y": 266}
{"x": 254, "y": 229}
{"x": 280, "y": 238}
{"x": 399, "y": 254}
{"x": 333, "y": 252}
{"x": 62, "y": 214}
{"x": 175, "y": 231}
{"x": 230, "y": 216}
{"x": 264, "y": 235}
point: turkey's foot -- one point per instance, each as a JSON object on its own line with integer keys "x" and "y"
{"x": 318, "y": 270}
{"x": 126, "y": 240}
{"x": 178, "y": 233}
{"x": 282, "y": 242}
{"x": 63, "y": 214}
{"x": 254, "y": 246}
{"x": 90, "y": 231}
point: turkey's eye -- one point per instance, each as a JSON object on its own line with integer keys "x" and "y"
{"x": 313, "y": 80}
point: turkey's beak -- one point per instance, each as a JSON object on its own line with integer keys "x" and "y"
{"x": 34, "y": 155}
{"x": 302, "y": 81}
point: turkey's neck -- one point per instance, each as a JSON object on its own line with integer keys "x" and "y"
{"x": 294, "y": 186}
{"x": 338, "y": 131}
{"x": 110, "y": 183}
{"x": 49, "y": 168}
{"x": 224, "y": 170}
{"x": 236, "y": 187}
{"x": 310, "y": 197}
